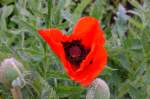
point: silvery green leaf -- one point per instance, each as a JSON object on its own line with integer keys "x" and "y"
{"x": 120, "y": 26}
{"x": 122, "y": 12}
{"x": 7, "y": 10}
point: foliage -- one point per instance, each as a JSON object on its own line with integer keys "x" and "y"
{"x": 126, "y": 24}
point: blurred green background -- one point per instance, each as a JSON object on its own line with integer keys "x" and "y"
{"x": 127, "y": 29}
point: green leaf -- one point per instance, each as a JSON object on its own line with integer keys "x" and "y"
{"x": 79, "y": 9}
{"x": 98, "y": 9}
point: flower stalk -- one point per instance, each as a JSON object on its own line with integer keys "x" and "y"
{"x": 16, "y": 93}
{"x": 48, "y": 20}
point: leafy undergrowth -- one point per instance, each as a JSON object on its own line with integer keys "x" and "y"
{"x": 127, "y": 29}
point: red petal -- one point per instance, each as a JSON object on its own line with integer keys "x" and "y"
{"x": 88, "y": 72}
{"x": 87, "y": 29}
{"x": 54, "y": 37}
{"x": 96, "y": 68}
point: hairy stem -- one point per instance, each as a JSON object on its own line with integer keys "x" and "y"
{"x": 16, "y": 93}
{"x": 48, "y": 20}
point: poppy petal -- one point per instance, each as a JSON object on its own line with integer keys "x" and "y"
{"x": 98, "y": 61}
{"x": 53, "y": 37}
{"x": 96, "y": 70}
{"x": 87, "y": 29}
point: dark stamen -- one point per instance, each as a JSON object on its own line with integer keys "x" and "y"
{"x": 91, "y": 62}
{"x": 75, "y": 52}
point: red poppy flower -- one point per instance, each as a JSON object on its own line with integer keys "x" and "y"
{"x": 82, "y": 53}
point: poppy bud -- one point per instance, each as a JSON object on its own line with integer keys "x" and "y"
{"x": 98, "y": 90}
{"x": 10, "y": 69}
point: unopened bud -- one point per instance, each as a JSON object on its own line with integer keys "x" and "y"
{"x": 98, "y": 90}
{"x": 10, "y": 69}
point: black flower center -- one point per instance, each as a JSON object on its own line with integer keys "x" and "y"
{"x": 75, "y": 52}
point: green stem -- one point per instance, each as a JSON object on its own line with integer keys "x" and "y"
{"x": 48, "y": 20}
{"x": 49, "y": 14}
{"x": 16, "y": 93}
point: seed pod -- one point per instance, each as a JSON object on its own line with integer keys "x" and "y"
{"x": 98, "y": 90}
{"x": 10, "y": 69}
